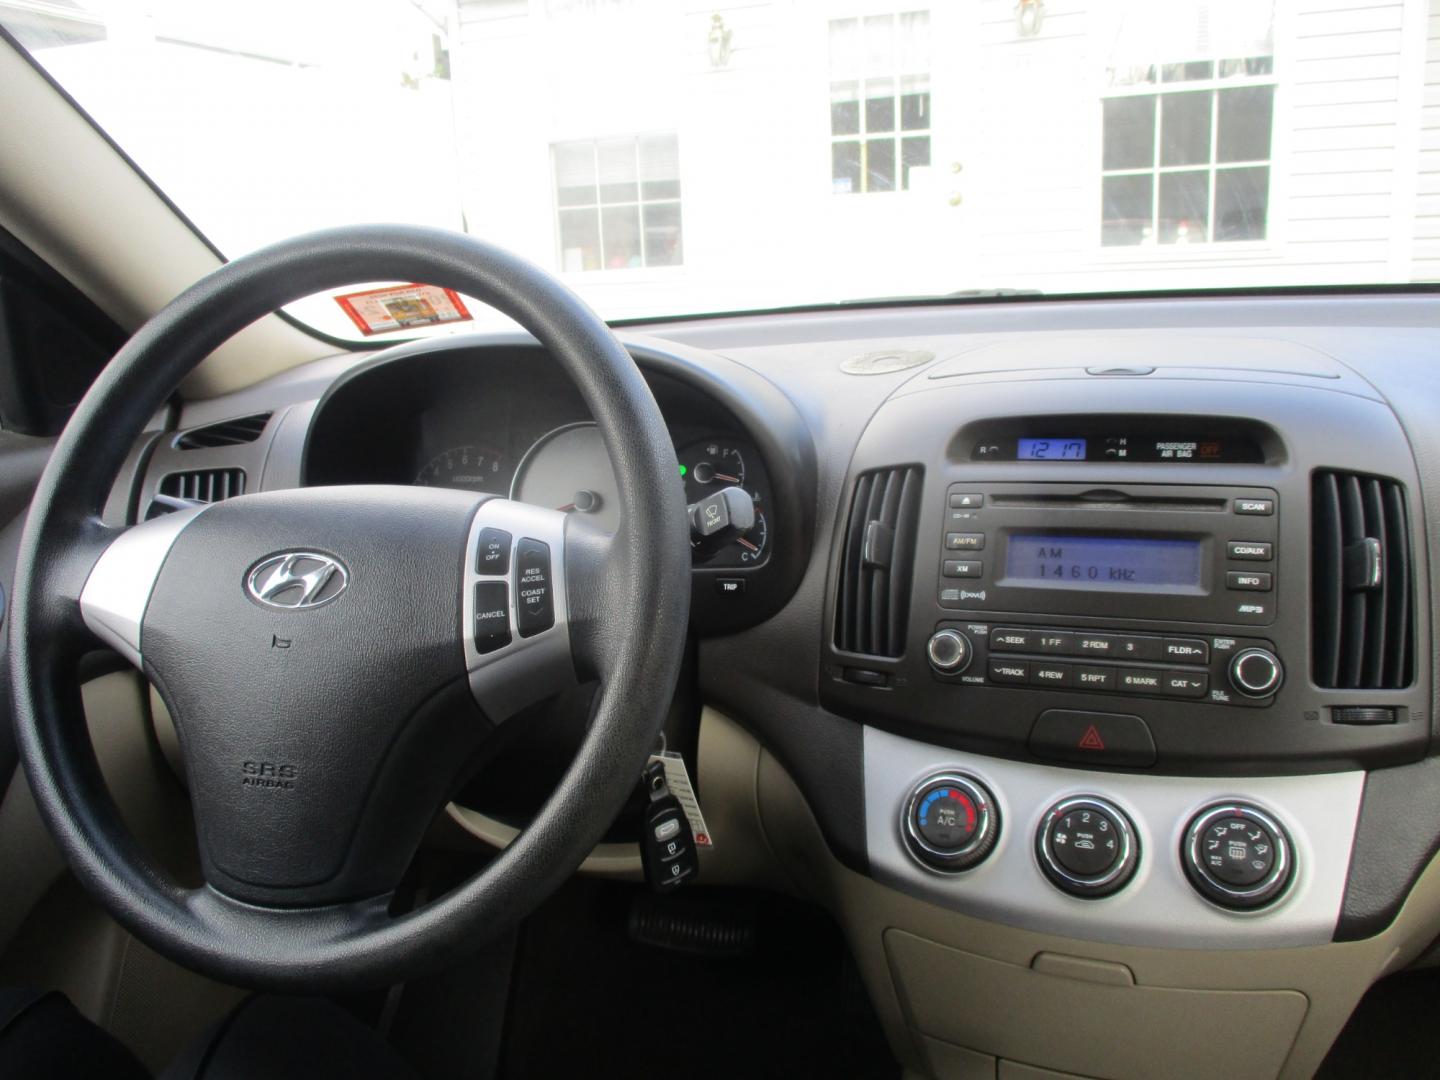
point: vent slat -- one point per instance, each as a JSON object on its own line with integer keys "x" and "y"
{"x": 873, "y": 584}
{"x": 243, "y": 429}
{"x": 197, "y": 486}
{"x": 1362, "y": 635}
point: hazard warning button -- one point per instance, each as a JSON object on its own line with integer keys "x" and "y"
{"x": 1092, "y": 738}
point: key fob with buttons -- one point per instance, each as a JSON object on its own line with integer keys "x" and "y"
{"x": 667, "y": 847}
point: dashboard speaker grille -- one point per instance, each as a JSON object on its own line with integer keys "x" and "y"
{"x": 1362, "y": 586}
{"x": 243, "y": 429}
{"x": 873, "y": 597}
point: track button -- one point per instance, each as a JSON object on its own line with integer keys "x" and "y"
{"x": 1094, "y": 738}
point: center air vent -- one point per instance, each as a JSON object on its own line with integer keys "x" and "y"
{"x": 243, "y": 429}
{"x": 1363, "y": 579}
{"x": 181, "y": 489}
{"x": 872, "y": 601}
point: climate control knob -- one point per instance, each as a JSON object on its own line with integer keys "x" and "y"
{"x": 1087, "y": 847}
{"x": 949, "y": 651}
{"x": 1238, "y": 856}
{"x": 1256, "y": 673}
{"x": 950, "y": 823}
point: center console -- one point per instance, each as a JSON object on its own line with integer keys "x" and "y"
{"x": 1124, "y": 654}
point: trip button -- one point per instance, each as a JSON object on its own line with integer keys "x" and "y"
{"x": 1013, "y": 672}
{"x": 493, "y": 556}
{"x": 1186, "y": 684}
{"x": 1140, "y": 682}
{"x": 1043, "y": 673}
{"x": 534, "y": 589}
{"x": 492, "y": 616}
{"x": 1094, "y": 738}
{"x": 1187, "y": 651}
{"x": 1248, "y": 551}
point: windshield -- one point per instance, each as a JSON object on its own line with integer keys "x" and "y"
{"x": 669, "y": 158}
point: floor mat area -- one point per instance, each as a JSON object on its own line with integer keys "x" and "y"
{"x": 585, "y": 998}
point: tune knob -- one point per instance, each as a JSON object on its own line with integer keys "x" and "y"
{"x": 1256, "y": 672}
{"x": 949, "y": 651}
{"x": 950, "y": 822}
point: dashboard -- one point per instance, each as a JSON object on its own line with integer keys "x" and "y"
{"x": 1104, "y": 621}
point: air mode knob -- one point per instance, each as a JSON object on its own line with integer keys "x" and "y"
{"x": 949, "y": 651}
{"x": 1238, "y": 856}
{"x": 1256, "y": 673}
{"x": 950, "y": 822}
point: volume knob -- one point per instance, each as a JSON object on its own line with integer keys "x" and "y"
{"x": 949, "y": 651}
{"x": 1256, "y": 672}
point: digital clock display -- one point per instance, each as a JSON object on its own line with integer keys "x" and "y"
{"x": 1104, "y": 563}
{"x": 1050, "y": 450}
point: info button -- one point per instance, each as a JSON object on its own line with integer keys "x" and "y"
{"x": 1093, "y": 738}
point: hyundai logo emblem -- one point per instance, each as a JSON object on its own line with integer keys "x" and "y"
{"x": 297, "y": 579}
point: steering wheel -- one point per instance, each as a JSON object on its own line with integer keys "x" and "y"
{"x": 335, "y": 658}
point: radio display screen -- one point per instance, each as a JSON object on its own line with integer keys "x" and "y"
{"x": 1104, "y": 563}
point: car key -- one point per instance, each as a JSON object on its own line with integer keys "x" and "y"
{"x": 667, "y": 846}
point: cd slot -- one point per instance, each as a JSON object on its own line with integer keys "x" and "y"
{"x": 1103, "y": 499}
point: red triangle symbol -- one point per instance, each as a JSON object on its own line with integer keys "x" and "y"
{"x": 1091, "y": 740}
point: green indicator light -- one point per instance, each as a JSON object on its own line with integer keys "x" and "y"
{"x": 683, "y": 470}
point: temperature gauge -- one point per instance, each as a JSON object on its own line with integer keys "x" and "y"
{"x": 711, "y": 464}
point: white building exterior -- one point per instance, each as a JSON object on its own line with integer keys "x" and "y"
{"x": 1347, "y": 174}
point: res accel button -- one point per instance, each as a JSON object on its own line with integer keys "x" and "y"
{"x": 534, "y": 588}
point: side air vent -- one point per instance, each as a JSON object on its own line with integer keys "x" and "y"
{"x": 243, "y": 429}
{"x": 1362, "y": 591}
{"x": 182, "y": 489}
{"x": 873, "y": 601}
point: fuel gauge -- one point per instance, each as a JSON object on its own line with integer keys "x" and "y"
{"x": 719, "y": 462}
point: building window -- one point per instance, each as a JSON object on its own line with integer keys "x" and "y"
{"x": 1187, "y": 152}
{"x": 619, "y": 203}
{"x": 879, "y": 101}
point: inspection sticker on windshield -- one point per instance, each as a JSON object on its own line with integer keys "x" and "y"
{"x": 403, "y": 307}
{"x": 677, "y": 779}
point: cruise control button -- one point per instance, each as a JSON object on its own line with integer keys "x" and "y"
{"x": 1008, "y": 671}
{"x": 1252, "y": 552}
{"x": 494, "y": 554}
{"x": 1092, "y": 738}
{"x": 534, "y": 589}
{"x": 1246, "y": 581}
{"x": 1188, "y": 684}
{"x": 1140, "y": 682}
{"x": 963, "y": 567}
{"x": 1047, "y": 674}
{"x": 1093, "y": 678}
{"x": 1256, "y": 507}
{"x": 1003, "y": 639}
{"x": 1187, "y": 651}
{"x": 492, "y": 616}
